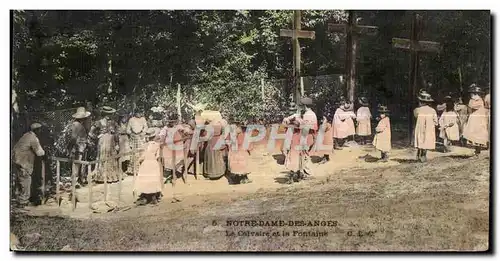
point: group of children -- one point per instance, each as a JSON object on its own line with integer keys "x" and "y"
{"x": 452, "y": 125}
{"x": 346, "y": 124}
{"x": 457, "y": 122}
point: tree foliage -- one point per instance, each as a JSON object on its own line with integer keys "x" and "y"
{"x": 62, "y": 59}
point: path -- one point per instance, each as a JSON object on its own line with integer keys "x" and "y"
{"x": 268, "y": 173}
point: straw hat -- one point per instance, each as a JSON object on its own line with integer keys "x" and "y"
{"x": 108, "y": 110}
{"x": 35, "y": 125}
{"x": 424, "y": 96}
{"x": 152, "y": 132}
{"x": 81, "y": 113}
{"x": 473, "y": 88}
{"x": 383, "y": 109}
{"x": 363, "y": 101}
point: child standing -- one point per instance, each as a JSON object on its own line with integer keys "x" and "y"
{"x": 425, "y": 132}
{"x": 238, "y": 157}
{"x": 327, "y": 131}
{"x": 448, "y": 124}
{"x": 363, "y": 119}
{"x": 149, "y": 181}
{"x": 343, "y": 124}
{"x": 382, "y": 139}
{"x": 476, "y": 129}
{"x": 463, "y": 114}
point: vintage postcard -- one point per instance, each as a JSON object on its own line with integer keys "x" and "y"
{"x": 250, "y": 130}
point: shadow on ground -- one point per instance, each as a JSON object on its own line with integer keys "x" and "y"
{"x": 283, "y": 178}
{"x": 316, "y": 159}
{"x": 406, "y": 161}
{"x": 279, "y": 158}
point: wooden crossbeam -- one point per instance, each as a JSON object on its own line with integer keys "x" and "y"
{"x": 294, "y": 34}
{"x": 420, "y": 46}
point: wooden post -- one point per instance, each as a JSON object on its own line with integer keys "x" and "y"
{"x": 120, "y": 176}
{"x": 197, "y": 156}
{"x": 415, "y": 47}
{"x": 174, "y": 174}
{"x": 178, "y": 97}
{"x": 89, "y": 180}
{"x": 185, "y": 173}
{"x": 352, "y": 31}
{"x": 73, "y": 189}
{"x": 296, "y": 55}
{"x": 162, "y": 166}
{"x": 134, "y": 168}
{"x": 58, "y": 180}
{"x": 302, "y": 86}
{"x": 174, "y": 170}
{"x": 351, "y": 58}
{"x": 43, "y": 182}
{"x": 105, "y": 181}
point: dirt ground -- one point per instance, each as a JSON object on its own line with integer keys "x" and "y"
{"x": 401, "y": 205}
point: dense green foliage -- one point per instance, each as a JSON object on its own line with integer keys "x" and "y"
{"x": 62, "y": 59}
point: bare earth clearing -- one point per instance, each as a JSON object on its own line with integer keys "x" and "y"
{"x": 397, "y": 206}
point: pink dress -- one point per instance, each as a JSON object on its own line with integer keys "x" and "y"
{"x": 178, "y": 141}
{"x": 476, "y": 129}
{"x": 293, "y": 156}
{"x": 449, "y": 119}
{"x": 363, "y": 117}
{"x": 238, "y": 158}
{"x": 326, "y": 134}
{"x": 425, "y": 128}
{"x": 343, "y": 124}
{"x": 382, "y": 139}
{"x": 150, "y": 176}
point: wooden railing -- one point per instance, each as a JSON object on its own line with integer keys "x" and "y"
{"x": 133, "y": 153}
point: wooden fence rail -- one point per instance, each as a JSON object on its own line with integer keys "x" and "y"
{"x": 133, "y": 153}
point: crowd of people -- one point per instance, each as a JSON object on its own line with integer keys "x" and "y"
{"x": 165, "y": 146}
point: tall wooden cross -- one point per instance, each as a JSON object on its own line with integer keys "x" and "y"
{"x": 353, "y": 31}
{"x": 295, "y": 34}
{"x": 415, "y": 47}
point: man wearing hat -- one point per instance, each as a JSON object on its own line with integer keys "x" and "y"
{"x": 104, "y": 130}
{"x": 476, "y": 129}
{"x": 136, "y": 129}
{"x": 363, "y": 119}
{"x": 24, "y": 153}
{"x": 305, "y": 124}
{"x": 79, "y": 141}
{"x": 425, "y": 128}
